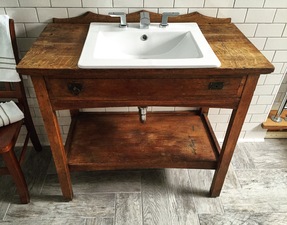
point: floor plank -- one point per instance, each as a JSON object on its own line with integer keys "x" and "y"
{"x": 255, "y": 200}
{"x": 263, "y": 179}
{"x": 268, "y": 155}
{"x": 155, "y": 198}
{"x": 241, "y": 158}
{"x": 200, "y": 182}
{"x": 182, "y": 208}
{"x": 7, "y": 192}
{"x": 99, "y": 221}
{"x": 92, "y": 205}
{"x": 53, "y": 221}
{"x": 128, "y": 209}
{"x": 244, "y": 218}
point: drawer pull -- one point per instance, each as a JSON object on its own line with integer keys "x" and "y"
{"x": 215, "y": 85}
{"x": 75, "y": 88}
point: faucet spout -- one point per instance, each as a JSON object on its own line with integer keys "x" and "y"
{"x": 123, "y": 19}
{"x": 144, "y": 20}
{"x": 165, "y": 16}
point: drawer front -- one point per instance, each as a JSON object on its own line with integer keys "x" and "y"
{"x": 151, "y": 90}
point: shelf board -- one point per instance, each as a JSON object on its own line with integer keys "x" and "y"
{"x": 121, "y": 141}
{"x": 270, "y": 125}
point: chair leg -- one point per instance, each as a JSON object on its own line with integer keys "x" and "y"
{"x": 15, "y": 170}
{"x": 33, "y": 134}
{"x": 28, "y": 120}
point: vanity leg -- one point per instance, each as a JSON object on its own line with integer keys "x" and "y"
{"x": 54, "y": 135}
{"x": 204, "y": 110}
{"x": 232, "y": 135}
{"x": 74, "y": 112}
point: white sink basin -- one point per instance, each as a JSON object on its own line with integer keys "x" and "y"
{"x": 180, "y": 45}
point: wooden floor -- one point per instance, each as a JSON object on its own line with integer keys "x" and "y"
{"x": 255, "y": 192}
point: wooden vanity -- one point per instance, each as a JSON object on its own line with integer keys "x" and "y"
{"x": 108, "y": 141}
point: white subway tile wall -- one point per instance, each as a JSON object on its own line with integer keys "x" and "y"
{"x": 237, "y": 15}
{"x": 128, "y": 3}
{"x": 249, "y": 4}
{"x": 66, "y": 3}
{"x": 280, "y": 16}
{"x": 97, "y": 3}
{"x": 269, "y": 30}
{"x": 262, "y": 21}
{"x": 275, "y": 4}
{"x": 260, "y": 15}
{"x": 9, "y": 3}
{"x": 79, "y": 11}
{"x": 46, "y": 14}
{"x": 185, "y": 3}
{"x": 221, "y": 3}
{"x": 33, "y": 3}
{"x": 158, "y": 3}
{"x": 23, "y": 15}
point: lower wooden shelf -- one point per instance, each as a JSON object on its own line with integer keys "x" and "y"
{"x": 101, "y": 141}
{"x": 270, "y": 125}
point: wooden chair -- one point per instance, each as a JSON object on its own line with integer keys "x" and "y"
{"x": 9, "y": 134}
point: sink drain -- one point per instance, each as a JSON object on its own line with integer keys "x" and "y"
{"x": 144, "y": 37}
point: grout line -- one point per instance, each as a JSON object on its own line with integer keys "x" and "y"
{"x": 115, "y": 209}
{"x": 68, "y": 14}
{"x": 141, "y": 193}
{"x": 6, "y": 212}
{"x": 276, "y": 10}
{"x": 44, "y": 181}
{"x": 37, "y": 13}
{"x": 217, "y": 12}
{"x": 108, "y": 192}
{"x": 247, "y": 11}
{"x": 257, "y": 25}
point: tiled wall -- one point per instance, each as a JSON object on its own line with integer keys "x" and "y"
{"x": 262, "y": 21}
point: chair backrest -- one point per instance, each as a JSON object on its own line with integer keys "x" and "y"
{"x": 13, "y": 90}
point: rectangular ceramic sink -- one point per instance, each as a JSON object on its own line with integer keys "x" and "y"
{"x": 180, "y": 45}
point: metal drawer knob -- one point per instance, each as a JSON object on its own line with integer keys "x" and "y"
{"x": 215, "y": 85}
{"x": 75, "y": 88}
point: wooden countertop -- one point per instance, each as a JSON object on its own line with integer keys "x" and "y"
{"x": 57, "y": 51}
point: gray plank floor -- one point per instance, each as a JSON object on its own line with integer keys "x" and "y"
{"x": 255, "y": 192}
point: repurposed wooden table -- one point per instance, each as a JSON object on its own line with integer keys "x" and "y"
{"x": 108, "y": 141}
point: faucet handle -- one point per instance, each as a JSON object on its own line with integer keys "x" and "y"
{"x": 165, "y": 16}
{"x": 122, "y": 15}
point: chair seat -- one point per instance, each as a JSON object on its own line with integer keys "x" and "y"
{"x": 8, "y": 136}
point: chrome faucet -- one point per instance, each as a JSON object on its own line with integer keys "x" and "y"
{"x": 122, "y": 15}
{"x": 144, "y": 20}
{"x": 165, "y": 16}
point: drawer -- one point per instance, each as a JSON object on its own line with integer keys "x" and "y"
{"x": 155, "y": 91}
